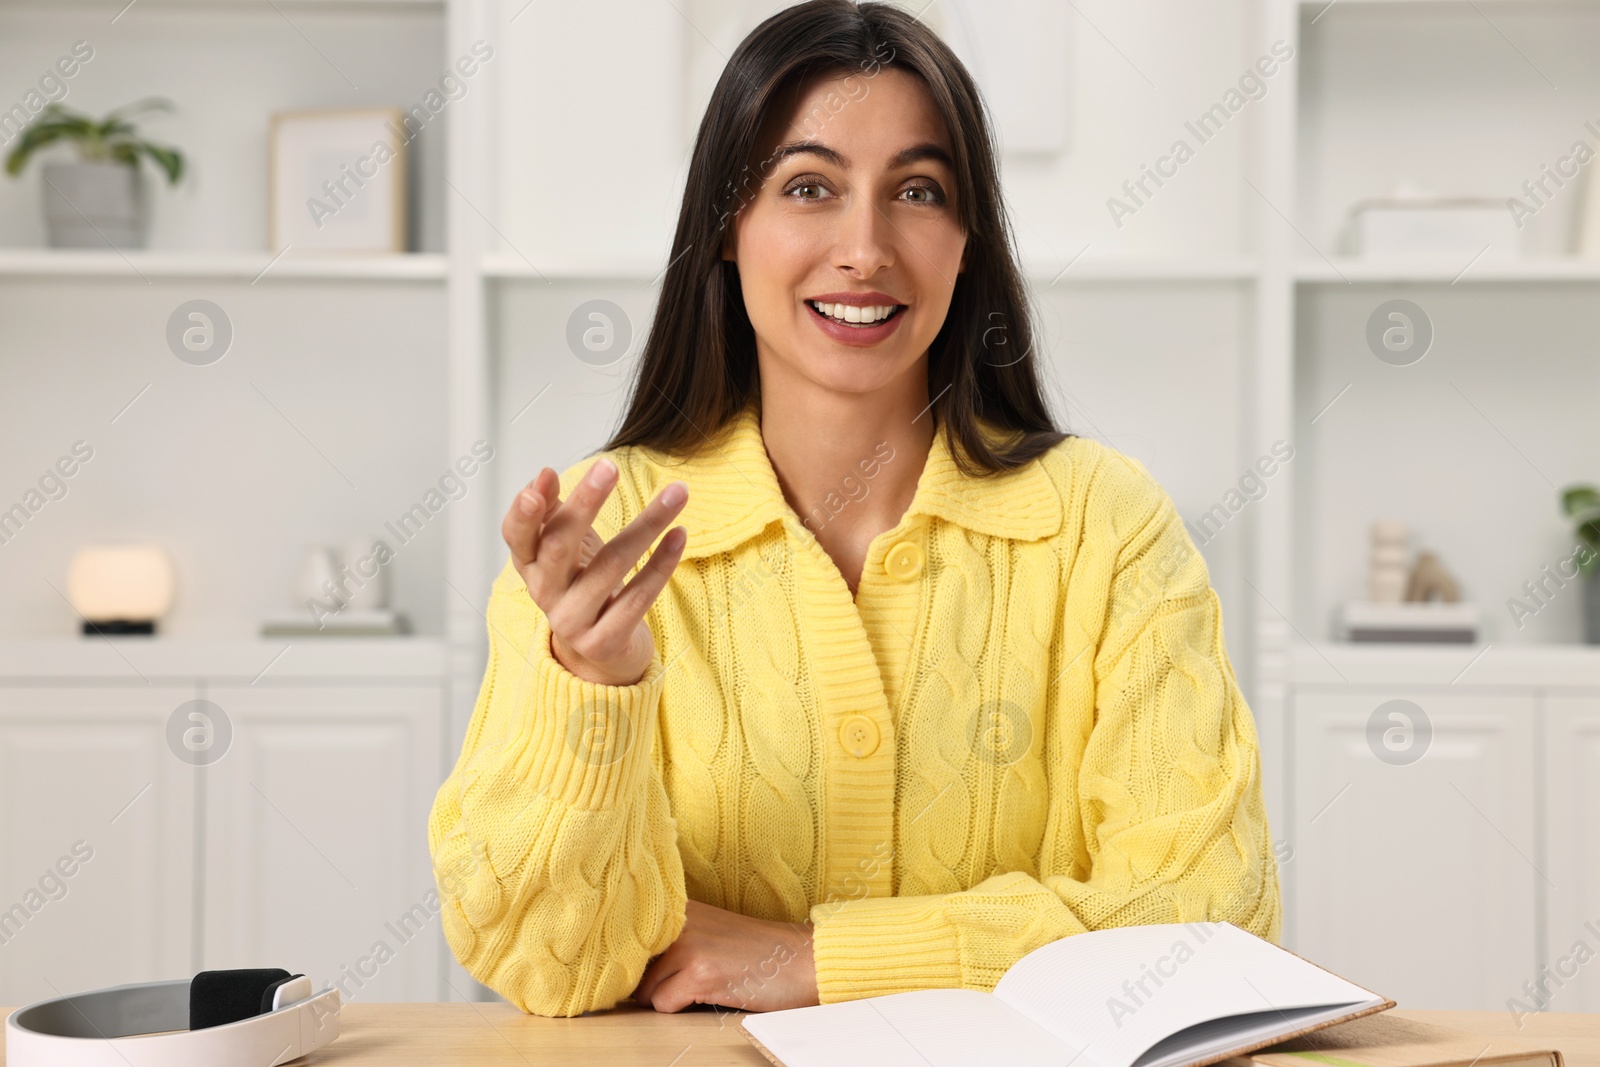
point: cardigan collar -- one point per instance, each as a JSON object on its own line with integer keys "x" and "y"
{"x": 734, "y": 492}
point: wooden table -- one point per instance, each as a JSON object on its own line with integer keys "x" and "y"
{"x": 498, "y": 1035}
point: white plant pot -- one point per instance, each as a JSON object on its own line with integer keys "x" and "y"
{"x": 94, "y": 205}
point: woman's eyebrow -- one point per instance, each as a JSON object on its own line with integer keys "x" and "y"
{"x": 906, "y": 156}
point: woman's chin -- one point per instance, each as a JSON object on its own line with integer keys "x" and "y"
{"x": 856, "y": 373}
{"x": 839, "y": 368}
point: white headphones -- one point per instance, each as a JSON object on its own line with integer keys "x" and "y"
{"x": 242, "y": 1018}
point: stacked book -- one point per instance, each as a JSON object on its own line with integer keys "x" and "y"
{"x": 347, "y": 623}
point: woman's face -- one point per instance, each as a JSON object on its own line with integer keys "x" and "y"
{"x": 857, "y": 212}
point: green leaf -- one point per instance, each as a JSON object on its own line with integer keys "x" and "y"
{"x": 113, "y": 137}
{"x": 138, "y": 107}
{"x": 35, "y": 138}
{"x": 1576, "y": 498}
{"x": 57, "y": 112}
{"x": 168, "y": 159}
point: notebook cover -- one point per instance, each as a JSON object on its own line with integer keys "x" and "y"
{"x": 1387, "y": 1041}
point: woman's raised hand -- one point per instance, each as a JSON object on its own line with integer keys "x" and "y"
{"x": 598, "y": 629}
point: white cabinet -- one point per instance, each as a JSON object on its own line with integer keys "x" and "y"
{"x": 1417, "y": 879}
{"x": 1468, "y": 878}
{"x": 304, "y": 845}
{"x": 1572, "y": 769}
{"x": 316, "y": 837}
{"x": 97, "y": 842}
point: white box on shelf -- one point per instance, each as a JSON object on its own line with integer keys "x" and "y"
{"x": 1409, "y": 621}
{"x": 1444, "y": 226}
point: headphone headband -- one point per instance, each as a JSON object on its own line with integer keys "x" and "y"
{"x": 124, "y": 1026}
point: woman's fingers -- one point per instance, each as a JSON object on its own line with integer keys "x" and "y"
{"x": 564, "y": 530}
{"x": 602, "y": 576}
{"x": 656, "y": 971}
{"x": 523, "y": 521}
{"x": 603, "y": 624}
{"x": 546, "y": 551}
{"x": 578, "y": 579}
{"x": 627, "y": 607}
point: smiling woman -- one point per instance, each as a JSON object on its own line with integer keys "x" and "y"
{"x": 777, "y": 763}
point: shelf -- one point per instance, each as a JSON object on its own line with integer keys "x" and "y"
{"x": 135, "y": 660}
{"x": 1090, "y": 269}
{"x": 1460, "y": 666}
{"x": 224, "y": 5}
{"x": 514, "y": 268}
{"x": 250, "y": 266}
{"x": 1315, "y": 6}
{"x": 1087, "y": 269}
{"x": 1351, "y": 270}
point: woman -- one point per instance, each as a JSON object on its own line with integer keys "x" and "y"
{"x": 918, "y": 683}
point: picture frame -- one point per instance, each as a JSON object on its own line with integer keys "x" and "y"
{"x": 337, "y": 181}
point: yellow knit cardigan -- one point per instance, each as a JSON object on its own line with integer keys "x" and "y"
{"x": 1024, "y": 726}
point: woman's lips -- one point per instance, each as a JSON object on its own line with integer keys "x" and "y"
{"x": 851, "y": 334}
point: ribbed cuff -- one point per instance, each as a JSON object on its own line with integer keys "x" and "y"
{"x": 880, "y": 945}
{"x": 587, "y": 744}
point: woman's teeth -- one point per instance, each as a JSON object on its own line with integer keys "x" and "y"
{"x": 857, "y": 316}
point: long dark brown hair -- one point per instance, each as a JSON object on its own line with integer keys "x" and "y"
{"x": 699, "y": 367}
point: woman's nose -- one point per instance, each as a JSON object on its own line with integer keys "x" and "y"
{"x": 866, "y": 239}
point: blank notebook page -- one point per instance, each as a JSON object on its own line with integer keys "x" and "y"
{"x": 1075, "y": 988}
{"x": 927, "y": 1028}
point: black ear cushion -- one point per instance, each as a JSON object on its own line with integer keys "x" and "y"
{"x": 219, "y": 997}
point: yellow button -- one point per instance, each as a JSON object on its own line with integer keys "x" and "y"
{"x": 904, "y": 561}
{"x": 859, "y": 736}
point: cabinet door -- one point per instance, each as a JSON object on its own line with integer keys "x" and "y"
{"x": 316, "y": 837}
{"x": 1416, "y": 879}
{"x": 1572, "y": 763}
{"x": 96, "y": 840}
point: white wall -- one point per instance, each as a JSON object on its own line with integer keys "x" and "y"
{"x": 1447, "y": 98}
{"x": 1469, "y": 445}
{"x": 227, "y": 68}
{"x": 232, "y": 466}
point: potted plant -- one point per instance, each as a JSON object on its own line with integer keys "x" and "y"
{"x": 1581, "y": 503}
{"x": 100, "y": 198}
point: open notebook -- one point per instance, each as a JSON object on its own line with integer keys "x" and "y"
{"x": 1133, "y": 996}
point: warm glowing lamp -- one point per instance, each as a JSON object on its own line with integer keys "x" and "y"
{"x": 121, "y": 589}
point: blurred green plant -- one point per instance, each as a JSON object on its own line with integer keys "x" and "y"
{"x": 1581, "y": 504}
{"x": 111, "y": 139}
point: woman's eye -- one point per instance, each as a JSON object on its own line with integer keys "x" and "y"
{"x": 930, "y": 194}
{"x": 799, "y": 186}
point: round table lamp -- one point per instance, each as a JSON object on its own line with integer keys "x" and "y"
{"x": 121, "y": 589}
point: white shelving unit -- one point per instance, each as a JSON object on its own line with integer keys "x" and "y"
{"x": 223, "y": 266}
{"x": 1348, "y": 271}
{"x": 1217, "y": 320}
{"x": 1447, "y": 881}
{"x": 1075, "y": 271}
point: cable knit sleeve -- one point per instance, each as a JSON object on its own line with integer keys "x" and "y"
{"x": 554, "y": 852}
{"x": 1160, "y": 787}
